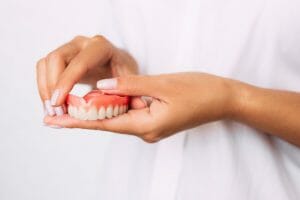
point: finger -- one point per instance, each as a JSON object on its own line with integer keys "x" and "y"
{"x": 57, "y": 60}
{"x": 126, "y": 123}
{"x": 134, "y": 85}
{"x": 138, "y": 103}
{"x": 41, "y": 79}
{"x": 42, "y": 86}
{"x": 56, "y": 63}
{"x": 95, "y": 54}
{"x": 121, "y": 70}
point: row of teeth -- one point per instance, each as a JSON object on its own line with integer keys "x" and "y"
{"x": 94, "y": 114}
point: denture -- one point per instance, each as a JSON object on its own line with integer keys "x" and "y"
{"x": 96, "y": 105}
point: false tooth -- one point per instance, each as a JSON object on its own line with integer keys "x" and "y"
{"x": 92, "y": 114}
{"x": 75, "y": 111}
{"x": 116, "y": 111}
{"x": 125, "y": 108}
{"x": 120, "y": 110}
{"x": 101, "y": 113}
{"x": 109, "y": 111}
{"x": 70, "y": 111}
{"x": 82, "y": 114}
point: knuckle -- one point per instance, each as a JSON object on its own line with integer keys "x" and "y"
{"x": 54, "y": 56}
{"x": 79, "y": 41}
{"x": 99, "y": 38}
{"x": 40, "y": 63}
{"x": 79, "y": 38}
{"x": 151, "y": 138}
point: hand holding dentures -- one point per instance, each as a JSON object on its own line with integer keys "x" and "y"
{"x": 82, "y": 60}
{"x": 177, "y": 104}
{"x": 179, "y": 101}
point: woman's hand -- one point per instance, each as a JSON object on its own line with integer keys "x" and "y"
{"x": 180, "y": 101}
{"x": 185, "y": 100}
{"x": 82, "y": 60}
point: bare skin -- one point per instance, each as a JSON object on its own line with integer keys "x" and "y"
{"x": 180, "y": 101}
{"x": 82, "y": 60}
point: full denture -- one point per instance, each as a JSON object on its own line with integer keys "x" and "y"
{"x": 96, "y": 105}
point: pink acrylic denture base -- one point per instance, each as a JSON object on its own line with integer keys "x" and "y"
{"x": 96, "y": 98}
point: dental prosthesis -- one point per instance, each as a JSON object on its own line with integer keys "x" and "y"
{"x": 96, "y": 105}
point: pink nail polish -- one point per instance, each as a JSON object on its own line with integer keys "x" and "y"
{"x": 107, "y": 84}
{"x": 49, "y": 108}
{"x": 54, "y": 97}
{"x": 59, "y": 110}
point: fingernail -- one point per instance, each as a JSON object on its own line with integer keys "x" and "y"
{"x": 55, "y": 126}
{"x": 144, "y": 100}
{"x": 59, "y": 110}
{"x": 107, "y": 84}
{"x": 147, "y": 99}
{"x": 54, "y": 97}
{"x": 49, "y": 108}
{"x": 45, "y": 112}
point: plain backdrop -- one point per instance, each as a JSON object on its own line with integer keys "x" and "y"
{"x": 37, "y": 162}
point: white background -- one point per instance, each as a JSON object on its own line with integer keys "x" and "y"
{"x": 36, "y": 162}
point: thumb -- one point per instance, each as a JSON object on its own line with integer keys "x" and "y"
{"x": 133, "y": 85}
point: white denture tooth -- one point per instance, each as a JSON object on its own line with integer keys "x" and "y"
{"x": 74, "y": 112}
{"x": 78, "y": 113}
{"x": 126, "y": 108}
{"x": 116, "y": 110}
{"x": 101, "y": 113}
{"x": 109, "y": 111}
{"x": 92, "y": 114}
{"x": 70, "y": 111}
{"x": 121, "y": 110}
{"x": 82, "y": 114}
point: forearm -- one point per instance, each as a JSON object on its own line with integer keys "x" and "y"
{"x": 272, "y": 111}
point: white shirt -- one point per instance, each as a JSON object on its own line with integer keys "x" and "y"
{"x": 255, "y": 41}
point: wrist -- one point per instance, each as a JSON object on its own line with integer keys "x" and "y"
{"x": 240, "y": 101}
{"x": 229, "y": 99}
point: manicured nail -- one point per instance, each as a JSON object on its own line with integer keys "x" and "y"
{"x": 147, "y": 99}
{"x": 49, "y": 108}
{"x": 144, "y": 101}
{"x": 45, "y": 112}
{"x": 107, "y": 84}
{"x": 59, "y": 110}
{"x": 55, "y": 126}
{"x": 54, "y": 97}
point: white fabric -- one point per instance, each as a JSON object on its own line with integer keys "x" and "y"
{"x": 255, "y": 41}
{"x": 168, "y": 166}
